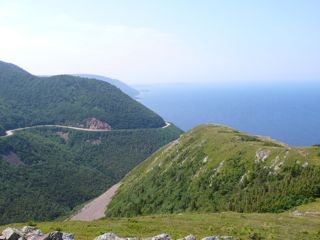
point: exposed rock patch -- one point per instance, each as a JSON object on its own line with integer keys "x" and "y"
{"x": 189, "y": 237}
{"x": 162, "y": 236}
{"x": 94, "y": 123}
{"x": 219, "y": 238}
{"x": 261, "y": 155}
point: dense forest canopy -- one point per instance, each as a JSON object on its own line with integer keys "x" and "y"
{"x": 46, "y": 172}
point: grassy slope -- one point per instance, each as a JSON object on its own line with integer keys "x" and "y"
{"x": 215, "y": 168}
{"x": 58, "y": 174}
{"x": 241, "y": 225}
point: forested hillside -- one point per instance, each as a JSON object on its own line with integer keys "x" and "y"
{"x": 214, "y": 168}
{"x": 27, "y": 100}
{"x": 46, "y": 172}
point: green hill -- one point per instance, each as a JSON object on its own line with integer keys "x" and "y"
{"x": 215, "y": 168}
{"x": 27, "y": 100}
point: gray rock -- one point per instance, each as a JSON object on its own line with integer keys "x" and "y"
{"x": 108, "y": 236}
{"x": 12, "y": 234}
{"x": 189, "y": 237}
{"x": 31, "y": 233}
{"x": 162, "y": 236}
{"x": 2, "y": 237}
{"x": 67, "y": 236}
{"x": 227, "y": 238}
{"x": 31, "y": 236}
{"x": 58, "y": 236}
{"x": 211, "y": 238}
{"x": 219, "y": 238}
{"x": 29, "y": 229}
{"x": 53, "y": 236}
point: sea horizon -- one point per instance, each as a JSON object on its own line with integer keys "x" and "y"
{"x": 285, "y": 112}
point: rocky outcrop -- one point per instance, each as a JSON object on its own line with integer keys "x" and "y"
{"x": 189, "y": 237}
{"x": 94, "y": 123}
{"x": 162, "y": 236}
{"x": 32, "y": 233}
{"x": 261, "y": 155}
{"x": 219, "y": 238}
{"x": 11, "y": 234}
{"x": 108, "y": 236}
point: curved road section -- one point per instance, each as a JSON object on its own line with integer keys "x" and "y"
{"x": 11, "y": 132}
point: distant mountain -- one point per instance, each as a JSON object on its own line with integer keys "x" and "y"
{"x": 215, "y": 168}
{"x": 27, "y": 100}
{"x": 121, "y": 85}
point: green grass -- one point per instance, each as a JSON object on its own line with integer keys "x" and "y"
{"x": 310, "y": 207}
{"x": 267, "y": 226}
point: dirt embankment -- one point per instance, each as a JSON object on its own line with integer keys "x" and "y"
{"x": 97, "y": 207}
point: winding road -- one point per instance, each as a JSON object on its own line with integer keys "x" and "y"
{"x": 11, "y": 132}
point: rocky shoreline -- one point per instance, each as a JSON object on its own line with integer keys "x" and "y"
{"x": 32, "y": 233}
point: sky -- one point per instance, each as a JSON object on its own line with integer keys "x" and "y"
{"x": 153, "y": 41}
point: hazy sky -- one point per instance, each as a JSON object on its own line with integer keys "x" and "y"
{"x": 147, "y": 41}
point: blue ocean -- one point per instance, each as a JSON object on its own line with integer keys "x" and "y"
{"x": 288, "y": 113}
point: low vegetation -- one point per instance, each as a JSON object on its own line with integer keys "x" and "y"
{"x": 240, "y": 225}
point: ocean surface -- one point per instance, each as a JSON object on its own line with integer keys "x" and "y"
{"x": 289, "y": 113}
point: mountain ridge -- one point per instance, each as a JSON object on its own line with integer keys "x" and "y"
{"x": 121, "y": 85}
